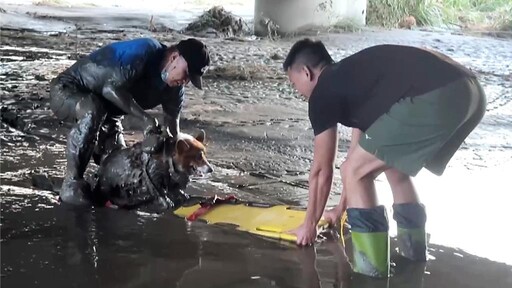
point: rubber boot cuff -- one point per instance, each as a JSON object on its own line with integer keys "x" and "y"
{"x": 411, "y": 234}
{"x": 370, "y": 240}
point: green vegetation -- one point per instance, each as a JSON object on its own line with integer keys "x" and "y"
{"x": 469, "y": 14}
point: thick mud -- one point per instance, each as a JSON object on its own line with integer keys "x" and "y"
{"x": 260, "y": 142}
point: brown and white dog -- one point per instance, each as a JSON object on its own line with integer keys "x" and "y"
{"x": 152, "y": 173}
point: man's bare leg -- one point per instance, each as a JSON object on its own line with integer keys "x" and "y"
{"x": 359, "y": 173}
{"x": 333, "y": 216}
{"x": 402, "y": 187}
{"x": 368, "y": 221}
{"x": 410, "y": 216}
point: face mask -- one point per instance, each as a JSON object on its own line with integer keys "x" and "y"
{"x": 165, "y": 73}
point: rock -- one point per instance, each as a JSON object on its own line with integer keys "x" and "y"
{"x": 41, "y": 181}
{"x": 276, "y": 56}
{"x": 12, "y": 119}
{"x": 40, "y": 78}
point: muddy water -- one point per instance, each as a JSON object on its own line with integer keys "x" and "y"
{"x": 45, "y": 244}
{"x": 259, "y": 141}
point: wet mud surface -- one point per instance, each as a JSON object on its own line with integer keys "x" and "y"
{"x": 260, "y": 143}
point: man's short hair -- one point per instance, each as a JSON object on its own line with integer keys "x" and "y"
{"x": 309, "y": 53}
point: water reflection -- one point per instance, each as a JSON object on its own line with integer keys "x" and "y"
{"x": 48, "y": 245}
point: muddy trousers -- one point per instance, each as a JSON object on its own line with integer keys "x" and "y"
{"x": 110, "y": 138}
{"x": 370, "y": 236}
{"x": 92, "y": 135}
{"x": 91, "y": 122}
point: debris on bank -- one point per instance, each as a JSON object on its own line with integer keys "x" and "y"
{"x": 10, "y": 116}
{"x": 217, "y": 22}
{"x": 270, "y": 27}
{"x": 244, "y": 72}
{"x": 44, "y": 182}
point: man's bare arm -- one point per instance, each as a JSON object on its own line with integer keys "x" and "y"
{"x": 321, "y": 174}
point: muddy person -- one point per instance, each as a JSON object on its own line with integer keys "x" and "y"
{"x": 409, "y": 108}
{"x": 121, "y": 78}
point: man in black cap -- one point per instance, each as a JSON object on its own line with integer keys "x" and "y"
{"x": 121, "y": 78}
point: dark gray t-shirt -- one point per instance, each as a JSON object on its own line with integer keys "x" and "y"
{"x": 360, "y": 88}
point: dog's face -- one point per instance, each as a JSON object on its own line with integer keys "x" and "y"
{"x": 190, "y": 157}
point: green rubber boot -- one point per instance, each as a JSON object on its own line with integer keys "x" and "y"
{"x": 411, "y": 235}
{"x": 370, "y": 241}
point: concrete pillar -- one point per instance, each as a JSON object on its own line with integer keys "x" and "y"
{"x": 296, "y": 15}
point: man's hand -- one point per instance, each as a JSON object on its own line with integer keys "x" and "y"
{"x": 153, "y": 136}
{"x": 333, "y": 216}
{"x": 152, "y": 126}
{"x": 306, "y": 233}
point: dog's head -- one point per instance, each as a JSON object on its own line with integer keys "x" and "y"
{"x": 185, "y": 152}
{"x": 190, "y": 155}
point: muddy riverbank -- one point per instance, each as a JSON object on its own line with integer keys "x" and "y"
{"x": 260, "y": 142}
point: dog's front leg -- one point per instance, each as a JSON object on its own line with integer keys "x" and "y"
{"x": 162, "y": 202}
{"x": 175, "y": 185}
{"x": 179, "y": 180}
{"x": 180, "y": 197}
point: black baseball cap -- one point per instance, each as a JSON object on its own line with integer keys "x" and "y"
{"x": 198, "y": 58}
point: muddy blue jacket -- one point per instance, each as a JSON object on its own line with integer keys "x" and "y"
{"x": 127, "y": 74}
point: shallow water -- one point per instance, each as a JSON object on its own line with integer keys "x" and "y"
{"x": 45, "y": 244}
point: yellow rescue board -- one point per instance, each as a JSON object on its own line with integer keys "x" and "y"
{"x": 272, "y": 222}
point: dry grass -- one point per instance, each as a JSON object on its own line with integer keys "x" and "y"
{"x": 468, "y": 14}
{"x": 389, "y": 13}
{"x": 505, "y": 25}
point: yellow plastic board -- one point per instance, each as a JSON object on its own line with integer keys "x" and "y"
{"x": 272, "y": 222}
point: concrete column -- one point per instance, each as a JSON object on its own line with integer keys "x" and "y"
{"x": 296, "y": 15}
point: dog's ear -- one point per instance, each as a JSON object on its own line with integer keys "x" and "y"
{"x": 200, "y": 137}
{"x": 182, "y": 146}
